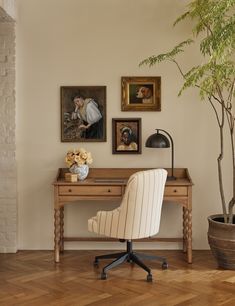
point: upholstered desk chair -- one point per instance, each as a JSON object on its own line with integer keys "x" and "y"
{"x": 137, "y": 217}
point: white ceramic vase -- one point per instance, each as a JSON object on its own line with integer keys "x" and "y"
{"x": 82, "y": 171}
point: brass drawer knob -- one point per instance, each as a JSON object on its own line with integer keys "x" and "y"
{"x": 109, "y": 190}
{"x": 70, "y": 190}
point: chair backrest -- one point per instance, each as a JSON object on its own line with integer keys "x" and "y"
{"x": 140, "y": 210}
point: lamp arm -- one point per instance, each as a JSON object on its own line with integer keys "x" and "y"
{"x": 172, "y": 151}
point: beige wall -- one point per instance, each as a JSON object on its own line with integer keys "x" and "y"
{"x": 90, "y": 42}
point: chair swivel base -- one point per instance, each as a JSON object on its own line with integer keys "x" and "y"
{"x": 131, "y": 257}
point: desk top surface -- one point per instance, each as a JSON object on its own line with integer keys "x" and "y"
{"x": 119, "y": 176}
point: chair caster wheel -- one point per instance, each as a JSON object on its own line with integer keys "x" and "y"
{"x": 96, "y": 263}
{"x": 149, "y": 278}
{"x": 164, "y": 265}
{"x": 103, "y": 275}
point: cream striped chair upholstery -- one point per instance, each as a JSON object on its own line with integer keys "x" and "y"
{"x": 137, "y": 217}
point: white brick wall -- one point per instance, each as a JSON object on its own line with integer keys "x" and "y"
{"x": 8, "y": 195}
{"x": 7, "y": 6}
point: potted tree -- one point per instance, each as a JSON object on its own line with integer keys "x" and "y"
{"x": 213, "y": 25}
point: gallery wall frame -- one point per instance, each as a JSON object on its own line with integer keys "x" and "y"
{"x": 141, "y": 93}
{"x": 126, "y": 136}
{"x": 83, "y": 113}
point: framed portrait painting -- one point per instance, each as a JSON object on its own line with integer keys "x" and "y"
{"x": 83, "y": 113}
{"x": 126, "y": 135}
{"x": 141, "y": 93}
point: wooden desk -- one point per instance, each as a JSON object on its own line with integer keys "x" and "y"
{"x": 109, "y": 184}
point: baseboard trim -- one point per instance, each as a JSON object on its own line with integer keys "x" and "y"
{"x": 8, "y": 249}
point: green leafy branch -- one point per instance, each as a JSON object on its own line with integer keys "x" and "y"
{"x": 215, "y": 21}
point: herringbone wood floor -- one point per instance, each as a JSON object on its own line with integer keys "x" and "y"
{"x": 32, "y": 278}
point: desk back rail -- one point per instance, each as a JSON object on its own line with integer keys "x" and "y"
{"x": 110, "y": 174}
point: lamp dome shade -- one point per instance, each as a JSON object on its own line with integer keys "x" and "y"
{"x": 157, "y": 140}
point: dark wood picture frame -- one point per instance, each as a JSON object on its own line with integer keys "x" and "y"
{"x": 126, "y": 136}
{"x": 141, "y": 93}
{"x": 77, "y": 117}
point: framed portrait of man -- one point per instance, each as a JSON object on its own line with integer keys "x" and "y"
{"x": 83, "y": 113}
{"x": 141, "y": 93}
{"x": 126, "y": 135}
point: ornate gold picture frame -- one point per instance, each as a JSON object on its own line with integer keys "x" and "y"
{"x": 141, "y": 93}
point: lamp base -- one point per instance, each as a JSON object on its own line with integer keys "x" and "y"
{"x": 171, "y": 178}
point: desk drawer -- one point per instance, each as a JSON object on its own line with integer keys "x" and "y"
{"x": 172, "y": 191}
{"x": 90, "y": 190}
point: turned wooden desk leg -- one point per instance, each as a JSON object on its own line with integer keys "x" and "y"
{"x": 57, "y": 234}
{"x": 184, "y": 231}
{"x": 188, "y": 233}
{"x": 189, "y": 226}
{"x": 189, "y": 236}
{"x": 62, "y": 229}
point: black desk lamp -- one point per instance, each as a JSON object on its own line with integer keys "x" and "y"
{"x": 159, "y": 140}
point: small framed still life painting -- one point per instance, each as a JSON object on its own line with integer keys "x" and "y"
{"x": 126, "y": 135}
{"x": 83, "y": 113}
{"x": 141, "y": 93}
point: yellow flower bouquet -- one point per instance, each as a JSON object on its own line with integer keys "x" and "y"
{"x": 78, "y": 161}
{"x": 78, "y": 157}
